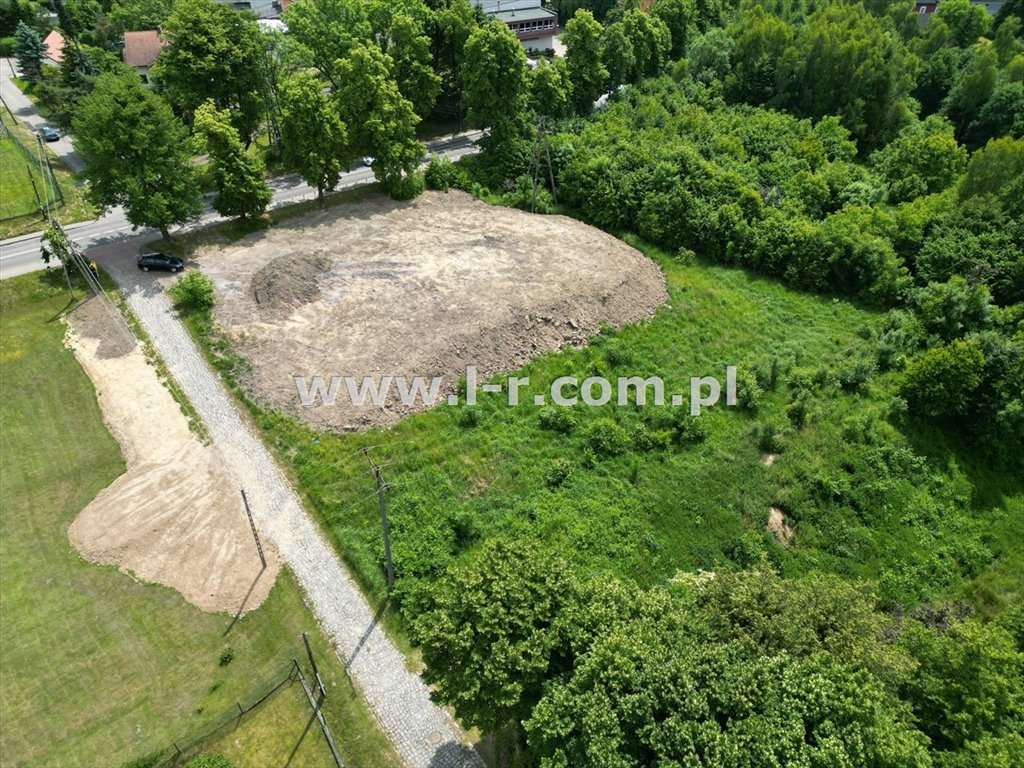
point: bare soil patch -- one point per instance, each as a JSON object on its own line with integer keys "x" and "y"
{"x": 424, "y": 288}
{"x": 778, "y": 528}
{"x": 174, "y": 518}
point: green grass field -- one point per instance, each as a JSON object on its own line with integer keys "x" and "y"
{"x": 19, "y": 210}
{"x": 16, "y": 195}
{"x": 869, "y": 494}
{"x": 98, "y": 668}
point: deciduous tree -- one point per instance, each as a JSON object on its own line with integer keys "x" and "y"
{"x": 409, "y": 48}
{"x": 242, "y": 188}
{"x": 381, "y": 122}
{"x": 315, "y": 140}
{"x": 137, "y": 153}
{"x": 213, "y": 53}
{"x": 582, "y": 39}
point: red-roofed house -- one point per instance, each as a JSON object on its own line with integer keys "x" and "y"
{"x": 54, "y": 43}
{"x": 140, "y": 51}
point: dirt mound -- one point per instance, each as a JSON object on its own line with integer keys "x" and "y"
{"x": 421, "y": 288}
{"x": 290, "y": 281}
{"x": 174, "y": 517}
{"x": 95, "y": 320}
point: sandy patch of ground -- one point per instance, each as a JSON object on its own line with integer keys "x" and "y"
{"x": 778, "y": 528}
{"x": 422, "y": 288}
{"x": 174, "y": 518}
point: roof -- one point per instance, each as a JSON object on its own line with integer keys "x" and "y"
{"x": 510, "y": 11}
{"x": 54, "y": 43}
{"x": 141, "y": 48}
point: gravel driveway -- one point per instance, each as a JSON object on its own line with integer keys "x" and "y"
{"x": 422, "y": 733}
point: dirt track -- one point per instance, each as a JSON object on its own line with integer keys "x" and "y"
{"x": 174, "y": 518}
{"x": 423, "y": 288}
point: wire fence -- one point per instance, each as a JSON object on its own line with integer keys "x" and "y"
{"x": 179, "y": 752}
{"x": 29, "y": 183}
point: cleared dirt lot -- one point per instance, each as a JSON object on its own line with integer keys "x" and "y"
{"x": 174, "y": 517}
{"x": 424, "y": 288}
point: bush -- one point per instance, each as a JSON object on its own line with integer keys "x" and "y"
{"x": 442, "y": 174}
{"x": 210, "y": 761}
{"x": 557, "y": 473}
{"x": 765, "y": 435}
{"x": 606, "y": 438}
{"x": 689, "y": 430}
{"x": 522, "y": 196}
{"x": 146, "y": 761}
{"x": 796, "y": 410}
{"x": 648, "y": 440}
{"x": 407, "y": 187}
{"x": 557, "y": 419}
{"x": 940, "y": 381}
{"x": 193, "y": 291}
{"x": 748, "y": 391}
{"x": 227, "y": 656}
{"x": 467, "y": 417}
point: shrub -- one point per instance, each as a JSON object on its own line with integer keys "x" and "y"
{"x": 193, "y": 291}
{"x": 940, "y": 381}
{"x": 557, "y": 419}
{"x": 645, "y": 439}
{"x": 443, "y": 174}
{"x": 522, "y": 196}
{"x": 407, "y": 187}
{"x": 954, "y": 308}
{"x": 765, "y": 435}
{"x": 606, "y": 438}
{"x": 689, "y": 430}
{"x": 796, "y": 410}
{"x": 852, "y": 376}
{"x": 227, "y": 656}
{"x": 748, "y": 391}
{"x": 467, "y": 417}
{"x": 557, "y": 473}
{"x": 900, "y": 337}
{"x": 210, "y": 761}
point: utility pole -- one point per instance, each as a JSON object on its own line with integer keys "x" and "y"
{"x": 255, "y": 535}
{"x": 381, "y": 488}
{"x": 316, "y": 672}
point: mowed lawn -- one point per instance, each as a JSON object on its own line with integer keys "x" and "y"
{"x": 19, "y": 207}
{"x": 16, "y": 195}
{"x": 95, "y": 667}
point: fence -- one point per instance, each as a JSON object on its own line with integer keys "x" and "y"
{"x": 182, "y": 750}
{"x": 28, "y": 179}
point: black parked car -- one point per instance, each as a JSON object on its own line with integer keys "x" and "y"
{"x": 49, "y": 134}
{"x": 148, "y": 261}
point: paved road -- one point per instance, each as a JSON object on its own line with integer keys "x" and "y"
{"x": 23, "y": 109}
{"x": 20, "y": 255}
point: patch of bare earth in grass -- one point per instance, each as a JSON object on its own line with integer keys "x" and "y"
{"x": 174, "y": 518}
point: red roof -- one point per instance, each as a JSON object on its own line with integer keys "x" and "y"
{"x": 54, "y": 43}
{"x": 141, "y": 48}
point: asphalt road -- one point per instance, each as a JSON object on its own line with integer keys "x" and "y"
{"x": 25, "y": 111}
{"x": 20, "y": 255}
